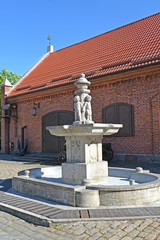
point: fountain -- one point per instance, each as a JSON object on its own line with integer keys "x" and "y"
{"x": 84, "y": 177}
{"x": 84, "y": 140}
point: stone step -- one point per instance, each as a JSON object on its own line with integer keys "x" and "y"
{"x": 43, "y": 161}
{"x": 43, "y": 158}
{"x": 39, "y": 157}
{"x": 42, "y": 155}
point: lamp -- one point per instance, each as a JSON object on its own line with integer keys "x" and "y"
{"x": 34, "y": 108}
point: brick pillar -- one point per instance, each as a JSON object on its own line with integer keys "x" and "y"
{"x": 5, "y": 87}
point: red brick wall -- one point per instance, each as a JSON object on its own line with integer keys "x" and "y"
{"x": 139, "y": 92}
{"x": 139, "y": 88}
{"x": 4, "y": 122}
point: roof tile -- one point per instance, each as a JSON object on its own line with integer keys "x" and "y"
{"x": 126, "y": 47}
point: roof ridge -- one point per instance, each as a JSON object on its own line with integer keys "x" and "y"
{"x": 139, "y": 20}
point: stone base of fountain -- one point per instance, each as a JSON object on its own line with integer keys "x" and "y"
{"x": 144, "y": 188}
{"x": 76, "y": 172}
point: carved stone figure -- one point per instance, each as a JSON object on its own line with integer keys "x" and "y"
{"x": 88, "y": 109}
{"x": 77, "y": 108}
{"x": 82, "y": 102}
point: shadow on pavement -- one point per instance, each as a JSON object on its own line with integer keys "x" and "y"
{"x": 6, "y": 185}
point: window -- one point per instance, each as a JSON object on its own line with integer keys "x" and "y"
{"x": 120, "y": 113}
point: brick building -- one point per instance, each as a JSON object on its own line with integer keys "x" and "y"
{"x": 124, "y": 70}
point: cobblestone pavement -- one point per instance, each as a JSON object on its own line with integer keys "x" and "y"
{"x": 9, "y": 169}
{"x": 13, "y": 228}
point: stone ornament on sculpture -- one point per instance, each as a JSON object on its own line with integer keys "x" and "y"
{"x": 83, "y": 110}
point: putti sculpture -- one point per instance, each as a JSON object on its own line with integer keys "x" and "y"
{"x": 82, "y": 102}
{"x": 84, "y": 140}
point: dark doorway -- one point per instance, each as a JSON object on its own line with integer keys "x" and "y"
{"x": 51, "y": 143}
{"x": 120, "y": 113}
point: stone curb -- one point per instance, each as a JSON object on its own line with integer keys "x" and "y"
{"x": 37, "y": 219}
{"x": 26, "y": 215}
{"x": 53, "y": 221}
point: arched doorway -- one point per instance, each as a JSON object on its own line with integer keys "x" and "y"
{"x": 51, "y": 143}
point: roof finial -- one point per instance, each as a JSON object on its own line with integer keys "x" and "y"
{"x": 49, "y": 39}
{"x": 50, "y": 47}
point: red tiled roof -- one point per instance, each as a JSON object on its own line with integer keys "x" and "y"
{"x": 127, "y": 47}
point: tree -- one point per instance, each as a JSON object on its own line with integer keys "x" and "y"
{"x": 12, "y": 77}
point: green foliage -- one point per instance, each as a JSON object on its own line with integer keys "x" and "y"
{"x": 12, "y": 77}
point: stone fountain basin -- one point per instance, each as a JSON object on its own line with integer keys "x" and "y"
{"x": 84, "y": 129}
{"x": 145, "y": 191}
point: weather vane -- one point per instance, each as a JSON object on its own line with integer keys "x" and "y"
{"x": 49, "y": 39}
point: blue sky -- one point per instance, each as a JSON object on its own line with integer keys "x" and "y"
{"x": 25, "y": 25}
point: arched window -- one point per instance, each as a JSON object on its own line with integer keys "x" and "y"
{"x": 120, "y": 113}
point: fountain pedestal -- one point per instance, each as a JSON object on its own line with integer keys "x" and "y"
{"x": 84, "y": 151}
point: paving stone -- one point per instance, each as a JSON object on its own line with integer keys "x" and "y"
{"x": 91, "y": 231}
{"x": 8, "y": 238}
{"x": 101, "y": 225}
{"x": 155, "y": 224}
{"x": 70, "y": 230}
{"x": 80, "y": 230}
{"x": 139, "y": 238}
{"x": 123, "y": 225}
{"x": 151, "y": 236}
{"x": 133, "y": 233}
{"x": 115, "y": 224}
{"x": 127, "y": 238}
{"x": 142, "y": 234}
{"x": 148, "y": 229}
{"x": 121, "y": 234}
{"x": 105, "y": 230}
{"x": 60, "y": 233}
{"x": 108, "y": 235}
{"x": 137, "y": 222}
{"x": 65, "y": 227}
{"x": 115, "y": 237}
{"x": 70, "y": 236}
{"x": 129, "y": 228}
{"x": 101, "y": 238}
{"x": 145, "y": 224}
{"x": 2, "y": 233}
{"x": 82, "y": 237}
{"x": 95, "y": 236}
{"x": 90, "y": 224}
{"x": 57, "y": 237}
